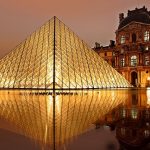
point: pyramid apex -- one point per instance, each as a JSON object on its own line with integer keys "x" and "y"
{"x": 55, "y": 17}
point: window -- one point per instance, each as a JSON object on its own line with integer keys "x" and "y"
{"x": 146, "y": 36}
{"x": 146, "y": 59}
{"x": 133, "y": 60}
{"x": 146, "y": 48}
{"x": 147, "y": 133}
{"x": 147, "y": 115}
{"x": 133, "y": 38}
{"x": 134, "y": 113}
{"x": 122, "y": 39}
{"x": 123, "y": 113}
{"x": 122, "y": 62}
{"x": 123, "y": 131}
{"x": 122, "y": 51}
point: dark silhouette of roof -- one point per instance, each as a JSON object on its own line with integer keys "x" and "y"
{"x": 138, "y": 15}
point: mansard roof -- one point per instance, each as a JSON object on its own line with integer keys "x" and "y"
{"x": 140, "y": 15}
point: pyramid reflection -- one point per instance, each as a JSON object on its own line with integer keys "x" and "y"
{"x": 30, "y": 113}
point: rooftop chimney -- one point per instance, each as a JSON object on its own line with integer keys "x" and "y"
{"x": 97, "y": 45}
{"x": 121, "y": 17}
{"x": 112, "y": 43}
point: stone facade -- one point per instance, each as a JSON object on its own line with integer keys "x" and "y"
{"x": 131, "y": 54}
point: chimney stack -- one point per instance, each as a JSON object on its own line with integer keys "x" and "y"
{"x": 97, "y": 45}
{"x": 121, "y": 17}
{"x": 112, "y": 43}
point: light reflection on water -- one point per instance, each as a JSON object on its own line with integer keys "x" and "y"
{"x": 148, "y": 96}
{"x": 30, "y": 113}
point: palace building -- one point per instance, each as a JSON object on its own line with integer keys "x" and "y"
{"x": 130, "y": 55}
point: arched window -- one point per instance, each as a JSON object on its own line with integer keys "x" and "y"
{"x": 146, "y": 36}
{"x": 134, "y": 78}
{"x": 133, "y": 38}
{"x": 122, "y": 39}
{"x": 133, "y": 60}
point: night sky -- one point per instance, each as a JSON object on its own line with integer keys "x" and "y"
{"x": 92, "y": 20}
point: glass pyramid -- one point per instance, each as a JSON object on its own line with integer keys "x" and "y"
{"x": 54, "y": 57}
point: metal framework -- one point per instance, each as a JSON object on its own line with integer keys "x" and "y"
{"x": 54, "y": 57}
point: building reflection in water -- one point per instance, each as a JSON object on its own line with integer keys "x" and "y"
{"x": 131, "y": 121}
{"x": 32, "y": 113}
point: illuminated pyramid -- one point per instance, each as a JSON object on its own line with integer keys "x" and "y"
{"x": 54, "y": 57}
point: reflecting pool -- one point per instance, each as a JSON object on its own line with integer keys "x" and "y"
{"x": 56, "y": 120}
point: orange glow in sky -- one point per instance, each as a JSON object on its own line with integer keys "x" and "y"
{"x": 92, "y": 20}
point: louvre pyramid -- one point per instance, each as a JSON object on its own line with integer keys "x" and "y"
{"x": 54, "y": 57}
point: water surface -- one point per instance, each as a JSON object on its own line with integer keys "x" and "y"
{"x": 56, "y": 120}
